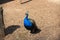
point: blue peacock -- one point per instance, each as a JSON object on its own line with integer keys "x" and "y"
{"x": 29, "y": 24}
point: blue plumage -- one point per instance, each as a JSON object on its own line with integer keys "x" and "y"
{"x": 27, "y": 21}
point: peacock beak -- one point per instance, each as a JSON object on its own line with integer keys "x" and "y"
{"x": 26, "y": 14}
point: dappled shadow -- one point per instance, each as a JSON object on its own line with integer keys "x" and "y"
{"x": 4, "y": 1}
{"x": 26, "y": 1}
{"x": 11, "y": 29}
{"x": 58, "y": 37}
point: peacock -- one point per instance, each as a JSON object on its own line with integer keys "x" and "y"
{"x": 29, "y": 24}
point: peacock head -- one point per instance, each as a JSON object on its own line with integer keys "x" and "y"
{"x": 27, "y": 14}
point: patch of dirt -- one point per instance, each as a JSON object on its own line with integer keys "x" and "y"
{"x": 46, "y": 15}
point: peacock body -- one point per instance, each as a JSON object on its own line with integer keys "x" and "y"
{"x": 27, "y": 21}
{"x": 30, "y": 24}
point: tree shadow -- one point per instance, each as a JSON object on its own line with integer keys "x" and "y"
{"x": 11, "y": 29}
{"x": 4, "y": 1}
{"x": 26, "y": 1}
{"x": 1, "y": 9}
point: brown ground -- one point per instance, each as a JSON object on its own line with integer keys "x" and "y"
{"x": 46, "y": 14}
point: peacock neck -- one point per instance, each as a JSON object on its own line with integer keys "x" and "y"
{"x": 26, "y": 16}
